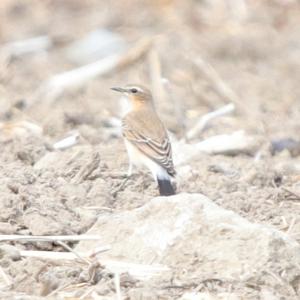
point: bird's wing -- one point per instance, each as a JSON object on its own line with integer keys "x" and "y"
{"x": 155, "y": 146}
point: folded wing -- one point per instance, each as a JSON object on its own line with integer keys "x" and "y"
{"x": 158, "y": 148}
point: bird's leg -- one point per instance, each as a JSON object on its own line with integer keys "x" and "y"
{"x": 124, "y": 175}
{"x": 129, "y": 172}
{"x": 128, "y": 175}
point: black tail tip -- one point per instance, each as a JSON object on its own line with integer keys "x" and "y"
{"x": 165, "y": 187}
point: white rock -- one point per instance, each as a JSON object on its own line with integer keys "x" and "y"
{"x": 227, "y": 144}
{"x": 197, "y": 240}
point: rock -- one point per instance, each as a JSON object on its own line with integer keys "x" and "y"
{"x": 198, "y": 240}
{"x": 9, "y": 251}
{"x": 289, "y": 144}
{"x": 232, "y": 144}
{"x": 7, "y": 228}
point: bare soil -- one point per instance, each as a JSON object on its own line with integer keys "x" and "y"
{"x": 49, "y": 192}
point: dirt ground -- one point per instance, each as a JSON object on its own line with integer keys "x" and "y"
{"x": 255, "y": 49}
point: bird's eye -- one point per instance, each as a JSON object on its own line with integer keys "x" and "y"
{"x": 133, "y": 90}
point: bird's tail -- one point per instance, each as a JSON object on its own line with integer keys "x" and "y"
{"x": 165, "y": 187}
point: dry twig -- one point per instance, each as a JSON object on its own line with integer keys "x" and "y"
{"x": 220, "y": 87}
{"x": 292, "y": 224}
{"x": 64, "y": 245}
{"x": 117, "y": 286}
{"x": 5, "y": 277}
{"x": 75, "y": 78}
{"x": 206, "y": 119}
{"x": 138, "y": 271}
{"x": 50, "y": 238}
{"x": 296, "y": 195}
{"x": 156, "y": 76}
{"x": 67, "y": 142}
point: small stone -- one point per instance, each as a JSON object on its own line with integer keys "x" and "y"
{"x": 10, "y": 251}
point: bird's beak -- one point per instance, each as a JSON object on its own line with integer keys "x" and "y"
{"x": 118, "y": 89}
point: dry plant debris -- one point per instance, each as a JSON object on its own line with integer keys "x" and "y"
{"x": 225, "y": 76}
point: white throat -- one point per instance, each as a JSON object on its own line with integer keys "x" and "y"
{"x": 125, "y": 106}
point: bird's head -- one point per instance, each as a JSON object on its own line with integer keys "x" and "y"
{"x": 137, "y": 94}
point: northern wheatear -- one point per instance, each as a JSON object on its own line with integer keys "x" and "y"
{"x": 146, "y": 138}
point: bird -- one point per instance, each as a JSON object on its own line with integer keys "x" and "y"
{"x": 146, "y": 138}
